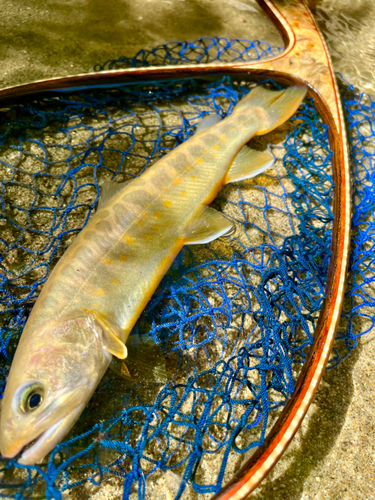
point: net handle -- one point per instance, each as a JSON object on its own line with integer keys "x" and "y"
{"x": 305, "y": 60}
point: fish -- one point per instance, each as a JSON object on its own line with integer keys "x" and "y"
{"x": 98, "y": 289}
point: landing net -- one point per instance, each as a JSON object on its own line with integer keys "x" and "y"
{"x": 234, "y": 318}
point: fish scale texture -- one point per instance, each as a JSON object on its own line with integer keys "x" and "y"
{"x": 234, "y": 318}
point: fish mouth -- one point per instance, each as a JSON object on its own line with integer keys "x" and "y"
{"x": 34, "y": 451}
{"x": 36, "y": 443}
{"x": 39, "y": 447}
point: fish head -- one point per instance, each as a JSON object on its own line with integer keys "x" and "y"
{"x": 55, "y": 371}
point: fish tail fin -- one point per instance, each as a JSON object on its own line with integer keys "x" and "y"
{"x": 271, "y": 108}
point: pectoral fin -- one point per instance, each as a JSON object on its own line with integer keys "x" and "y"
{"x": 145, "y": 362}
{"x": 119, "y": 367}
{"x": 248, "y": 163}
{"x": 125, "y": 371}
{"x": 208, "y": 225}
{"x": 114, "y": 345}
{"x": 111, "y": 334}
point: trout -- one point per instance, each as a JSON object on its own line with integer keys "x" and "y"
{"x": 100, "y": 286}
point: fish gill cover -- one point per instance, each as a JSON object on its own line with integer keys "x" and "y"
{"x": 234, "y": 318}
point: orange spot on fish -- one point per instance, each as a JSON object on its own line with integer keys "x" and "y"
{"x": 129, "y": 240}
{"x": 148, "y": 237}
{"x": 155, "y": 227}
{"x": 164, "y": 188}
{"x": 183, "y": 193}
{"x": 176, "y": 181}
{"x": 106, "y": 261}
{"x": 123, "y": 257}
{"x": 167, "y": 203}
{"x": 194, "y": 177}
{"x": 144, "y": 214}
{"x": 200, "y": 160}
{"x": 157, "y": 215}
{"x": 100, "y": 291}
{"x": 115, "y": 282}
{"x": 139, "y": 222}
{"x": 223, "y": 138}
{"x": 188, "y": 168}
{"x": 216, "y": 146}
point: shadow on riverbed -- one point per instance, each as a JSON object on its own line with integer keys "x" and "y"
{"x": 318, "y": 435}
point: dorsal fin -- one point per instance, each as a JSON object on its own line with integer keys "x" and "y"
{"x": 109, "y": 189}
{"x": 207, "y": 122}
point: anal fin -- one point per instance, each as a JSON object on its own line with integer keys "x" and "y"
{"x": 248, "y": 163}
{"x": 206, "y": 226}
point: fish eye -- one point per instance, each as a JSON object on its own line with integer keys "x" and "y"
{"x": 31, "y": 398}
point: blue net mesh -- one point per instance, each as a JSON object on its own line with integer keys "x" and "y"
{"x": 204, "y": 50}
{"x": 358, "y": 313}
{"x": 233, "y": 318}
